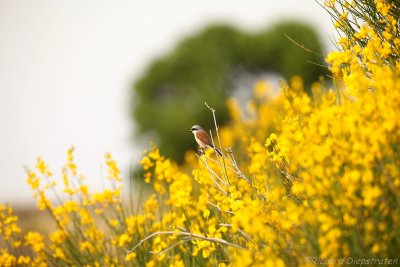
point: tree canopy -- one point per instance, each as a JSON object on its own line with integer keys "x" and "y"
{"x": 169, "y": 96}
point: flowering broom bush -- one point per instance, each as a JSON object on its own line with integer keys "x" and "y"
{"x": 301, "y": 181}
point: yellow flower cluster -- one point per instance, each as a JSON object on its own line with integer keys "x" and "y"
{"x": 79, "y": 216}
{"x": 300, "y": 178}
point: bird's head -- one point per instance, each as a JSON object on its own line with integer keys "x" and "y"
{"x": 195, "y": 128}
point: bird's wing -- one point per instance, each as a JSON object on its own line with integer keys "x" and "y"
{"x": 203, "y": 136}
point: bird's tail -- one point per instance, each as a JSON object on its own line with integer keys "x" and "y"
{"x": 219, "y": 152}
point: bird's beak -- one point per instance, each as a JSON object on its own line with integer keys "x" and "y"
{"x": 190, "y": 130}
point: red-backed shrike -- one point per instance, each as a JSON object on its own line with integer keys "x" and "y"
{"x": 202, "y": 138}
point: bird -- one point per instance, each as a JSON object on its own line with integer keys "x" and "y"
{"x": 202, "y": 138}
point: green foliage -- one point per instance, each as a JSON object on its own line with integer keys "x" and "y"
{"x": 169, "y": 97}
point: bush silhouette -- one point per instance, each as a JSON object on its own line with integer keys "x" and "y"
{"x": 169, "y": 97}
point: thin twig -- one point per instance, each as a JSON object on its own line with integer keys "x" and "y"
{"x": 223, "y": 170}
{"x": 228, "y": 166}
{"x": 302, "y": 46}
{"x": 218, "y": 208}
{"x": 290, "y": 177}
{"x": 235, "y": 165}
{"x": 196, "y": 236}
{"x": 247, "y": 236}
{"x": 211, "y": 176}
{"x": 205, "y": 162}
{"x": 171, "y": 247}
{"x": 216, "y": 126}
{"x": 317, "y": 64}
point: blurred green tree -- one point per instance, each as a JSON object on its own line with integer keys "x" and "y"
{"x": 169, "y": 97}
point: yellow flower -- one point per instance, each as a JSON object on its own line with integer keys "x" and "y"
{"x": 58, "y": 236}
{"x": 23, "y": 260}
{"x": 124, "y": 239}
{"x": 155, "y": 154}
{"x": 131, "y": 256}
{"x": 261, "y": 89}
{"x": 146, "y": 163}
{"x": 35, "y": 240}
{"x": 41, "y": 166}
{"x": 59, "y": 253}
{"x": 87, "y": 246}
{"x": 114, "y": 223}
{"x": 113, "y": 170}
{"x": 43, "y": 202}
{"x": 7, "y": 259}
{"x": 206, "y": 213}
{"x": 33, "y": 180}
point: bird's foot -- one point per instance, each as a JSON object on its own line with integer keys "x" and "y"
{"x": 201, "y": 150}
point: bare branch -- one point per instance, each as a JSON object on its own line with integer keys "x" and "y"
{"x": 192, "y": 235}
{"x": 170, "y": 247}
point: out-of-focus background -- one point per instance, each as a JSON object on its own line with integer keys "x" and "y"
{"x": 68, "y": 70}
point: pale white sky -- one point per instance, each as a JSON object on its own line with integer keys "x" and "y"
{"x": 66, "y": 70}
